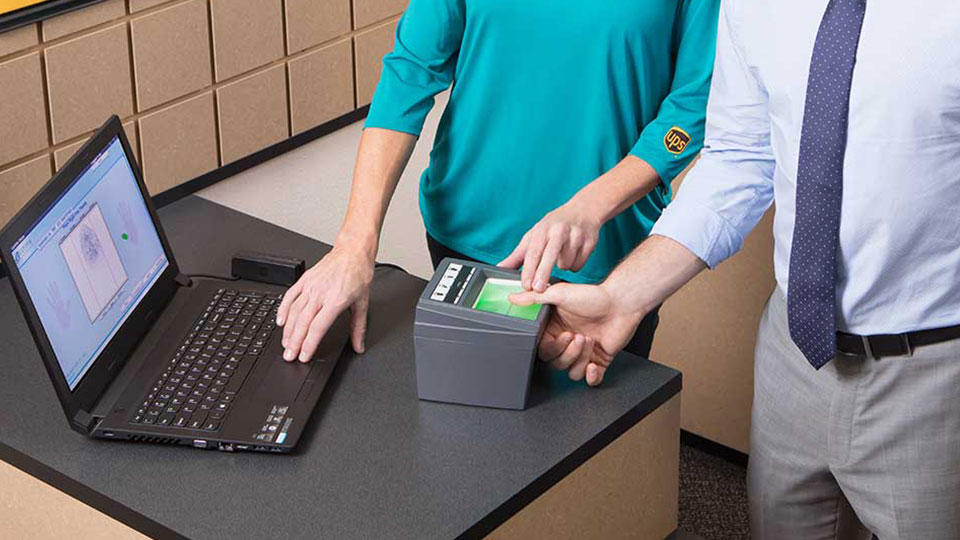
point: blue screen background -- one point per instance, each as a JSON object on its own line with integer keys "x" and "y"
{"x": 110, "y": 184}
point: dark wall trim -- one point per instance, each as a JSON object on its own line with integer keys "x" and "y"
{"x": 206, "y": 180}
{"x": 43, "y": 10}
{"x": 714, "y": 448}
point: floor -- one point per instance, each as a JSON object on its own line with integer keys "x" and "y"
{"x": 713, "y": 496}
{"x": 316, "y": 184}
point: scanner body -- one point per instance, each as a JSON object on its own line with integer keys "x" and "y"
{"x": 472, "y": 346}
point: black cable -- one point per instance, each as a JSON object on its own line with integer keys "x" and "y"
{"x": 235, "y": 278}
{"x": 389, "y": 265}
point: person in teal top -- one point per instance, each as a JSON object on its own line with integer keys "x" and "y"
{"x": 566, "y": 123}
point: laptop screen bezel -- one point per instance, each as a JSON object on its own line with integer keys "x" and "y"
{"x": 114, "y": 356}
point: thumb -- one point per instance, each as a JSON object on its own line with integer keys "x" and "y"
{"x": 554, "y": 294}
{"x": 358, "y": 324}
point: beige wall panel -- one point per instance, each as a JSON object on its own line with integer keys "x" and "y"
{"x": 23, "y": 129}
{"x": 252, "y": 113}
{"x": 321, "y": 86}
{"x": 18, "y": 184}
{"x": 246, "y": 35}
{"x": 32, "y": 509}
{"x": 140, "y": 5}
{"x": 63, "y": 155}
{"x": 12, "y": 41}
{"x": 629, "y": 489}
{"x": 178, "y": 143}
{"x": 311, "y": 23}
{"x": 371, "y": 47}
{"x": 367, "y": 12}
{"x": 82, "y": 19}
{"x": 89, "y": 79}
{"x": 171, "y": 53}
{"x": 708, "y": 331}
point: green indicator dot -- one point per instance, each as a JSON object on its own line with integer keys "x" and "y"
{"x": 124, "y": 236}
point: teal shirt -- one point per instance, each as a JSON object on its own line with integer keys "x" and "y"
{"x": 546, "y": 96}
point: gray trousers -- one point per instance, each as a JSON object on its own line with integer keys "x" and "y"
{"x": 862, "y": 446}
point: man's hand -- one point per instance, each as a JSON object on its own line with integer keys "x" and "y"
{"x": 339, "y": 281}
{"x": 565, "y": 237}
{"x": 587, "y": 329}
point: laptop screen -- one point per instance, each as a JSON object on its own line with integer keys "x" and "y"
{"x": 89, "y": 260}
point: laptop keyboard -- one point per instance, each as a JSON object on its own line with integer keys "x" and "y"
{"x": 199, "y": 384}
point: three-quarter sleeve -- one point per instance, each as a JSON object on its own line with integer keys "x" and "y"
{"x": 421, "y": 65}
{"x": 672, "y": 139}
{"x": 731, "y": 186}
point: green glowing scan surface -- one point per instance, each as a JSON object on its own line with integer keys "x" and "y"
{"x": 493, "y": 299}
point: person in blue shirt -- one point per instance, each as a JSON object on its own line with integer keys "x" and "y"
{"x": 845, "y": 114}
{"x": 566, "y": 123}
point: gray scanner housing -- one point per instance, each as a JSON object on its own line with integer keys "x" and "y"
{"x": 473, "y": 357}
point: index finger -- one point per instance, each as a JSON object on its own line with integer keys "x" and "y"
{"x": 542, "y": 275}
{"x": 530, "y": 260}
{"x": 288, "y": 298}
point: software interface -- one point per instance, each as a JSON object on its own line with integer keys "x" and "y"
{"x": 89, "y": 260}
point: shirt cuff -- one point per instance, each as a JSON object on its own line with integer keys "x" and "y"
{"x": 667, "y": 165}
{"x": 701, "y": 230}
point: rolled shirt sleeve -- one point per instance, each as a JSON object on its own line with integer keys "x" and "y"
{"x": 421, "y": 65}
{"x": 672, "y": 139}
{"x": 731, "y": 186}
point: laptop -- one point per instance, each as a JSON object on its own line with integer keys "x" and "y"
{"x": 135, "y": 349}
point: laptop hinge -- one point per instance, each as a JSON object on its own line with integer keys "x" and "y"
{"x": 183, "y": 280}
{"x": 85, "y": 421}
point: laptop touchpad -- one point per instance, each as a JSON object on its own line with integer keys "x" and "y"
{"x": 283, "y": 379}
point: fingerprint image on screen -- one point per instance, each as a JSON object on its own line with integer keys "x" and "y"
{"x": 93, "y": 262}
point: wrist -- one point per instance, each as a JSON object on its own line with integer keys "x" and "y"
{"x": 590, "y": 206}
{"x": 627, "y": 304}
{"x": 362, "y": 244}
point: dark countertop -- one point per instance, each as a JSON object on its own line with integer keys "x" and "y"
{"x": 374, "y": 462}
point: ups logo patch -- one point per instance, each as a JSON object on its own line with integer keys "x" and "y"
{"x": 676, "y": 140}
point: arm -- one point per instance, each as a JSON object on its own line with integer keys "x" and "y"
{"x": 567, "y": 236}
{"x": 421, "y": 65}
{"x": 722, "y": 199}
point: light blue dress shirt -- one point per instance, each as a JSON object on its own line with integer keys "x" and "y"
{"x": 899, "y": 255}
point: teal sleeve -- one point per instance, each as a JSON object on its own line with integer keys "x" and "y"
{"x": 421, "y": 65}
{"x": 672, "y": 139}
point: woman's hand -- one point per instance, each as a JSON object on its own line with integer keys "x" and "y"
{"x": 341, "y": 280}
{"x": 565, "y": 237}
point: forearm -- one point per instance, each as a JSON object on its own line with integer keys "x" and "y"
{"x": 656, "y": 269}
{"x": 617, "y": 189}
{"x": 381, "y": 159}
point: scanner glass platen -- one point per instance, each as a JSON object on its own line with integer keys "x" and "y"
{"x": 494, "y": 298}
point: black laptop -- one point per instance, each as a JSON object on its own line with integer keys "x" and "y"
{"x": 135, "y": 349}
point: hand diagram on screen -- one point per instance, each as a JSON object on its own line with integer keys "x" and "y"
{"x": 60, "y": 305}
{"x": 129, "y": 224}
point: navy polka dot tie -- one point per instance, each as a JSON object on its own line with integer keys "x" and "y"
{"x": 811, "y": 289}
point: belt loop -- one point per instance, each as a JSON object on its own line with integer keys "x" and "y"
{"x": 868, "y": 351}
{"x": 907, "y": 347}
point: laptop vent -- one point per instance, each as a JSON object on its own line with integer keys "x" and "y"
{"x": 154, "y": 440}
